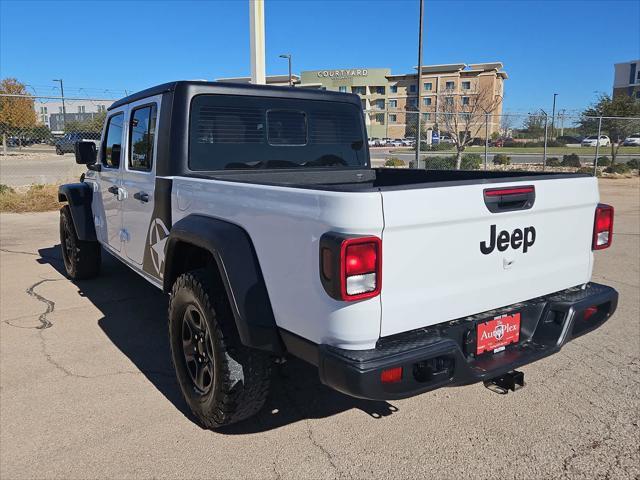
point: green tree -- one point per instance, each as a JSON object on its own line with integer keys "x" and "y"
{"x": 533, "y": 126}
{"x": 615, "y": 128}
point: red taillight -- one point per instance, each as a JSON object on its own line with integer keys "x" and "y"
{"x": 603, "y": 227}
{"x": 360, "y": 268}
{"x": 391, "y": 375}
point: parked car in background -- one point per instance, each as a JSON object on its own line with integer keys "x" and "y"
{"x": 592, "y": 141}
{"x": 409, "y": 142}
{"x": 67, "y": 143}
{"x": 396, "y": 142}
{"x": 374, "y": 142}
{"x": 385, "y": 142}
{"x": 632, "y": 140}
{"x": 444, "y": 138}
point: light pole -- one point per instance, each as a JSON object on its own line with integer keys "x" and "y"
{"x": 418, "y": 140}
{"x": 64, "y": 110}
{"x": 546, "y": 122}
{"x": 553, "y": 116}
{"x": 288, "y": 57}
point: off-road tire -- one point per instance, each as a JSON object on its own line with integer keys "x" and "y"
{"x": 241, "y": 376}
{"x": 81, "y": 258}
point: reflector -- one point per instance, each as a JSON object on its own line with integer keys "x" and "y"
{"x": 391, "y": 375}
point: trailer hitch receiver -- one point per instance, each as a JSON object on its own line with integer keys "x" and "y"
{"x": 513, "y": 381}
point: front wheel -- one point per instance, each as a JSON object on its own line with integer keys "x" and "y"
{"x": 81, "y": 258}
{"x": 222, "y": 380}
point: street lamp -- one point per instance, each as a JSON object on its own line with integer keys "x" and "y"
{"x": 64, "y": 110}
{"x": 288, "y": 57}
{"x": 553, "y": 117}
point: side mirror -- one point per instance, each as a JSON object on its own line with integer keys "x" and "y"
{"x": 86, "y": 153}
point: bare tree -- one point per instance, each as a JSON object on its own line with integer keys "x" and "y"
{"x": 464, "y": 120}
{"x": 507, "y": 122}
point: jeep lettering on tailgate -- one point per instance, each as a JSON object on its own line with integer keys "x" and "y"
{"x": 516, "y": 239}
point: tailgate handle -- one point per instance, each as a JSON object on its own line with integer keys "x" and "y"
{"x": 507, "y": 199}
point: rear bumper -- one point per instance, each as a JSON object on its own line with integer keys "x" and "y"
{"x": 444, "y": 354}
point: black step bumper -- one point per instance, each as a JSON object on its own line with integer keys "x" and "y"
{"x": 444, "y": 354}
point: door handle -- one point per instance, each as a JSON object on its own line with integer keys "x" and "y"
{"x": 113, "y": 190}
{"x": 142, "y": 196}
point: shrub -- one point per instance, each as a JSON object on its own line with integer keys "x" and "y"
{"x": 588, "y": 170}
{"x": 554, "y": 143}
{"x": 618, "y": 168}
{"x": 439, "y": 147}
{"x": 4, "y": 189}
{"x": 604, "y": 161}
{"x": 501, "y": 159}
{"x": 634, "y": 163}
{"x": 571, "y": 160}
{"x": 553, "y": 162}
{"x": 471, "y": 161}
{"x": 440, "y": 163}
{"x": 394, "y": 162}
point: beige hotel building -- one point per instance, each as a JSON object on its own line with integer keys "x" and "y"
{"x": 396, "y": 96}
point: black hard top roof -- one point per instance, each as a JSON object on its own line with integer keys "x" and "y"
{"x": 231, "y": 88}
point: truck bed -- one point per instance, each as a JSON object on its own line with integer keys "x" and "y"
{"x": 375, "y": 179}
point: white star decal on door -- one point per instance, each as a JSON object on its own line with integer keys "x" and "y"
{"x": 158, "y": 235}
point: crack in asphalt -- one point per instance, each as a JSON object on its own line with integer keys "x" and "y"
{"x": 44, "y": 321}
{"x": 20, "y": 252}
{"x": 310, "y": 434}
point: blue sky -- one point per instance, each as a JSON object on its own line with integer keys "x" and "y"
{"x": 103, "y": 48}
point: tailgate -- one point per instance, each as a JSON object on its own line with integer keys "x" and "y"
{"x": 435, "y": 269}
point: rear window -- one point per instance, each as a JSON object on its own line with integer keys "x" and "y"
{"x": 238, "y": 132}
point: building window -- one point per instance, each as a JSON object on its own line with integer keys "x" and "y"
{"x": 359, "y": 90}
{"x": 449, "y": 85}
{"x": 428, "y": 86}
{"x": 393, "y": 104}
{"x": 379, "y": 118}
{"x": 448, "y": 100}
{"x": 342, "y": 89}
{"x": 426, "y": 101}
{"x": 426, "y": 117}
{"x": 45, "y": 110}
{"x": 378, "y": 90}
{"x": 466, "y": 85}
{"x": 412, "y": 102}
{"x": 393, "y": 118}
{"x": 379, "y": 104}
{"x": 59, "y": 109}
{"x": 465, "y": 100}
{"x": 80, "y": 108}
{"x": 412, "y": 88}
{"x": 393, "y": 88}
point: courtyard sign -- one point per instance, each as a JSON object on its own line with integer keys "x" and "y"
{"x": 360, "y": 72}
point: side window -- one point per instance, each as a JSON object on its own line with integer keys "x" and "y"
{"x": 113, "y": 142}
{"x": 142, "y": 138}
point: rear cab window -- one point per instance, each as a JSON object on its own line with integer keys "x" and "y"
{"x": 142, "y": 134}
{"x": 243, "y": 132}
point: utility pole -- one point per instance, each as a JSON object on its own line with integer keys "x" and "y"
{"x": 64, "y": 110}
{"x": 288, "y": 57}
{"x": 256, "y": 38}
{"x": 418, "y": 140}
{"x": 553, "y": 116}
{"x": 561, "y": 116}
{"x": 544, "y": 154}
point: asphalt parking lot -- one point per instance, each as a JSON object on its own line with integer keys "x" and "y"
{"x": 87, "y": 390}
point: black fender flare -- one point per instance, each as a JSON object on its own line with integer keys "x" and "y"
{"x": 233, "y": 251}
{"x": 79, "y": 197}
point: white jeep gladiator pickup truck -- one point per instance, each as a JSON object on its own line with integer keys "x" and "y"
{"x": 257, "y": 210}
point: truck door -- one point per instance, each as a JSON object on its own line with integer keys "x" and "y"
{"x": 109, "y": 215}
{"x": 139, "y": 177}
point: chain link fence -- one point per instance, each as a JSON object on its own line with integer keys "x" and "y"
{"x": 38, "y": 135}
{"x": 511, "y": 141}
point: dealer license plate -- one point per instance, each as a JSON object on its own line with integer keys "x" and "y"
{"x": 495, "y": 335}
